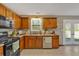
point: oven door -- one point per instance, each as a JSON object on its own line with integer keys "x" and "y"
{"x": 15, "y": 46}
{"x": 8, "y": 51}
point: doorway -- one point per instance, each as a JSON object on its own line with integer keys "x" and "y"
{"x": 70, "y": 32}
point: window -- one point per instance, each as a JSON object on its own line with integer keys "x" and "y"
{"x": 36, "y": 24}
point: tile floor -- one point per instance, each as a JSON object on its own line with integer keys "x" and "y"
{"x": 61, "y": 51}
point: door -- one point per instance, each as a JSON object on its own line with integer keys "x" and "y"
{"x": 47, "y": 42}
{"x": 70, "y": 32}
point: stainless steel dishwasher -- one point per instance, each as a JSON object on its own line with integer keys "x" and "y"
{"x": 47, "y": 42}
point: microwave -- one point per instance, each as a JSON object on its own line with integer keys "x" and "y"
{"x": 6, "y": 23}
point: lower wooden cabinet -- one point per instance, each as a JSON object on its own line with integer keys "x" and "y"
{"x": 33, "y": 42}
{"x": 55, "y": 41}
{"x": 1, "y": 51}
{"x": 37, "y": 42}
{"x": 26, "y": 42}
{"x": 21, "y": 43}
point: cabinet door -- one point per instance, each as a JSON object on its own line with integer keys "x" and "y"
{"x": 49, "y": 23}
{"x": 21, "y": 43}
{"x": 45, "y": 23}
{"x": 2, "y": 10}
{"x": 24, "y": 23}
{"x": 8, "y": 14}
{"x": 53, "y": 23}
{"x": 32, "y": 42}
{"x": 26, "y": 42}
{"x": 39, "y": 42}
{"x": 18, "y": 22}
{"x": 14, "y": 19}
{"x": 55, "y": 42}
{"x": 1, "y": 51}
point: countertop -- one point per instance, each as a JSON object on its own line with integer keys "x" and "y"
{"x": 1, "y": 44}
{"x": 34, "y": 35}
{"x": 41, "y": 35}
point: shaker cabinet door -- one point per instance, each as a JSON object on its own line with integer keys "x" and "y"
{"x": 26, "y": 42}
{"x": 49, "y": 23}
{"x": 32, "y": 41}
{"x": 39, "y": 42}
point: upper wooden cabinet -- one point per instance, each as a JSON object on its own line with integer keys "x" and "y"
{"x": 49, "y": 23}
{"x": 2, "y": 10}
{"x": 24, "y": 23}
{"x": 8, "y": 14}
{"x": 17, "y": 21}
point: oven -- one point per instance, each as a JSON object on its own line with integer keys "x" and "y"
{"x": 11, "y": 48}
{"x": 8, "y": 51}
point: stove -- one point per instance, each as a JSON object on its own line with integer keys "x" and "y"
{"x": 8, "y": 45}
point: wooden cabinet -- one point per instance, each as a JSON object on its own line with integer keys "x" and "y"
{"x": 1, "y": 51}
{"x": 24, "y": 23}
{"x": 21, "y": 43}
{"x": 17, "y": 21}
{"x": 32, "y": 42}
{"x": 26, "y": 45}
{"x": 49, "y": 23}
{"x": 8, "y": 14}
{"x": 39, "y": 42}
{"x": 55, "y": 41}
{"x": 2, "y": 10}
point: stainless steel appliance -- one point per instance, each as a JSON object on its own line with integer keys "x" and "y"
{"x": 6, "y": 23}
{"x": 47, "y": 42}
{"x": 12, "y": 48}
{"x": 11, "y": 45}
{"x": 15, "y": 46}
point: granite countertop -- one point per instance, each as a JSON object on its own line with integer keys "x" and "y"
{"x": 17, "y": 36}
{"x": 41, "y": 35}
{"x": 34, "y": 35}
{"x": 1, "y": 44}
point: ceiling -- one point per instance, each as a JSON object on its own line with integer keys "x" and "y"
{"x": 58, "y": 9}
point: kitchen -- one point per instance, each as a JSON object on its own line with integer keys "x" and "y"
{"x": 22, "y": 33}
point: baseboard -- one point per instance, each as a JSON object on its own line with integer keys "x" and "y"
{"x": 61, "y": 45}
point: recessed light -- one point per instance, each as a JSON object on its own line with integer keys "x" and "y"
{"x": 37, "y": 12}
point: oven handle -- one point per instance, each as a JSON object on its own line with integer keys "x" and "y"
{"x": 8, "y": 45}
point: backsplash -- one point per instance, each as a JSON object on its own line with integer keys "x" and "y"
{"x": 49, "y": 31}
